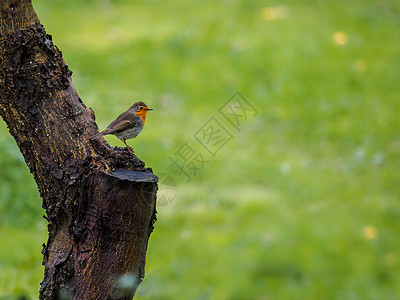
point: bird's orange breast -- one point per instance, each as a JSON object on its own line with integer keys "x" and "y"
{"x": 142, "y": 114}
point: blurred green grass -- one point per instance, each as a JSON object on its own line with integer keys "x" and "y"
{"x": 302, "y": 203}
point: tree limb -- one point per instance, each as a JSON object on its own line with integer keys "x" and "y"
{"x": 99, "y": 200}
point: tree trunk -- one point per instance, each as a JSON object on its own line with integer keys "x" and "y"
{"x": 99, "y": 201}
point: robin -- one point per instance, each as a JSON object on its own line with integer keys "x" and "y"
{"x": 128, "y": 124}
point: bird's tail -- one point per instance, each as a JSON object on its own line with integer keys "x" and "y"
{"x": 97, "y": 135}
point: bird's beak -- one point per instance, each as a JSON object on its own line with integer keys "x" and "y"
{"x": 149, "y": 109}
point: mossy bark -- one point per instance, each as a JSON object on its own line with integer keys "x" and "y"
{"x": 99, "y": 200}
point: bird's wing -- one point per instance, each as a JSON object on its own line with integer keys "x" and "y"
{"x": 123, "y": 122}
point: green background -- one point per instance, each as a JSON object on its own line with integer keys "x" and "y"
{"x": 301, "y": 203}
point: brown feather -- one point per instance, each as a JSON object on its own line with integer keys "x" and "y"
{"x": 123, "y": 121}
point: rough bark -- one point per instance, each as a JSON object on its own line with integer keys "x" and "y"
{"x": 99, "y": 200}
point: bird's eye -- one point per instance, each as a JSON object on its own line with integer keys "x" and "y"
{"x": 140, "y": 107}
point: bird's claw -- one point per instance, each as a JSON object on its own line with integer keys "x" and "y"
{"x": 130, "y": 149}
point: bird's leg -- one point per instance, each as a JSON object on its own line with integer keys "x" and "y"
{"x": 130, "y": 149}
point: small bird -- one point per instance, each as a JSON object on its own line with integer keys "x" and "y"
{"x": 128, "y": 124}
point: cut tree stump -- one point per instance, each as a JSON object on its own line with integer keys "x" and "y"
{"x": 100, "y": 201}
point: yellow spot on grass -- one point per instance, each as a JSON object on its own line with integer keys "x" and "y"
{"x": 370, "y": 232}
{"x": 391, "y": 259}
{"x": 360, "y": 65}
{"x": 340, "y": 38}
{"x": 272, "y": 13}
